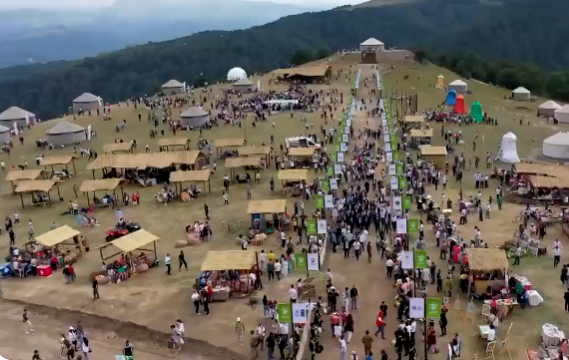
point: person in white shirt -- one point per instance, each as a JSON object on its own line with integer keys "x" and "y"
{"x": 557, "y": 248}
{"x": 389, "y": 267}
{"x": 343, "y": 348}
{"x": 491, "y": 334}
{"x": 292, "y": 294}
{"x": 262, "y": 260}
{"x": 167, "y": 261}
{"x": 278, "y": 267}
{"x": 357, "y": 245}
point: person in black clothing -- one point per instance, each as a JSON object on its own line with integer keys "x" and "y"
{"x": 282, "y": 344}
{"x": 443, "y": 323}
{"x": 206, "y": 209}
{"x": 271, "y": 343}
{"x": 95, "y": 289}
{"x": 563, "y": 276}
{"x": 383, "y": 355}
{"x": 566, "y": 297}
{"x": 439, "y": 281}
{"x": 205, "y": 302}
{"x": 12, "y": 237}
{"x": 412, "y": 353}
{"x": 182, "y": 260}
{"x": 128, "y": 350}
{"x": 383, "y": 307}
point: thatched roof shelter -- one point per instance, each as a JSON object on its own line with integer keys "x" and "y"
{"x": 487, "y": 260}
{"x": 293, "y": 174}
{"x": 229, "y": 260}
{"x": 266, "y": 206}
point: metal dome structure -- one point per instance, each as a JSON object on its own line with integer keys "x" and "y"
{"x": 236, "y": 74}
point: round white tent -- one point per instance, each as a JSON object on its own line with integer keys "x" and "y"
{"x": 194, "y": 117}
{"x": 557, "y": 146}
{"x": 521, "y": 93}
{"x": 66, "y": 133}
{"x": 15, "y": 114}
{"x": 236, "y": 74}
{"x": 243, "y": 85}
{"x": 372, "y": 44}
{"x": 173, "y": 87}
{"x": 562, "y": 114}
{"x": 548, "y": 108}
{"x": 508, "y": 152}
{"x": 87, "y": 102}
{"x": 4, "y": 134}
{"x": 459, "y": 86}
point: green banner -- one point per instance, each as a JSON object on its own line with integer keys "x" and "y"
{"x": 339, "y": 138}
{"x": 319, "y": 201}
{"x": 399, "y": 169}
{"x": 433, "y": 308}
{"x": 407, "y": 202}
{"x": 412, "y": 226}
{"x": 419, "y": 258}
{"x": 402, "y": 183}
{"x": 330, "y": 170}
{"x": 285, "y": 313}
{"x": 393, "y": 140}
{"x": 337, "y": 148}
{"x": 300, "y": 261}
{"x": 311, "y": 227}
{"x": 325, "y": 185}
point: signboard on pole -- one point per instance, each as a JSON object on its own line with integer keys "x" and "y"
{"x": 345, "y": 138}
{"x": 330, "y": 170}
{"x": 420, "y": 259}
{"x": 299, "y": 313}
{"x": 319, "y": 201}
{"x": 284, "y": 312}
{"x": 407, "y": 260}
{"x": 392, "y": 169}
{"x": 397, "y": 205}
{"x": 340, "y": 157}
{"x": 433, "y": 308}
{"x": 402, "y": 182}
{"x": 322, "y": 226}
{"x": 338, "y": 169}
{"x": 325, "y": 185}
{"x": 402, "y": 226}
{"x": 413, "y": 226}
{"x": 394, "y": 183}
{"x": 311, "y": 227}
{"x": 407, "y": 202}
{"x": 399, "y": 169}
{"x": 333, "y": 184}
{"x": 300, "y": 261}
{"x": 328, "y": 201}
{"x": 416, "y": 308}
{"x": 313, "y": 262}
{"x": 389, "y": 156}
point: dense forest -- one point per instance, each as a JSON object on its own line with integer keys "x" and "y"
{"x": 529, "y": 32}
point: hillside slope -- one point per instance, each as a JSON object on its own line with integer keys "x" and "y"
{"x": 468, "y": 25}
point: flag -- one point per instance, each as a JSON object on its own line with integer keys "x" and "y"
{"x": 184, "y": 90}
{"x": 27, "y": 118}
{"x": 89, "y": 132}
{"x": 16, "y": 132}
{"x": 100, "y": 102}
{"x": 258, "y": 85}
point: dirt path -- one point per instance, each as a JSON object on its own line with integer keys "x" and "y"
{"x": 106, "y": 336}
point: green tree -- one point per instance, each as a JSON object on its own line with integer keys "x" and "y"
{"x": 557, "y": 85}
{"x": 301, "y": 57}
{"x": 421, "y": 56}
{"x": 323, "y": 54}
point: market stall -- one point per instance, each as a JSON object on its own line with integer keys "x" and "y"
{"x": 435, "y": 154}
{"x": 52, "y": 161}
{"x": 57, "y": 240}
{"x": 487, "y": 271}
{"x": 291, "y": 181}
{"x": 191, "y": 192}
{"x": 93, "y": 186}
{"x": 227, "y": 272}
{"x": 18, "y": 175}
{"x": 172, "y": 144}
{"x": 420, "y": 137}
{"x": 263, "y": 151}
{"x": 259, "y": 209}
{"x": 253, "y": 163}
{"x": 301, "y": 157}
{"x": 220, "y": 144}
{"x": 41, "y": 188}
{"x": 124, "y": 147}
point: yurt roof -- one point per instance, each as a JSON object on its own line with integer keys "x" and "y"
{"x": 458, "y": 82}
{"x": 510, "y": 135}
{"x": 563, "y": 110}
{"x": 65, "y": 128}
{"x": 236, "y": 74}
{"x": 372, "y": 42}
{"x": 14, "y": 113}
{"x": 193, "y": 112}
{"x": 86, "y": 98}
{"x": 561, "y": 138}
{"x": 3, "y": 129}
{"x": 549, "y": 105}
{"x": 243, "y": 82}
{"x": 173, "y": 84}
{"x": 521, "y": 90}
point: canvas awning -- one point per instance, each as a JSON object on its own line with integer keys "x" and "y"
{"x": 17, "y": 175}
{"x": 100, "y": 185}
{"x": 266, "y": 206}
{"x": 56, "y": 236}
{"x": 221, "y": 143}
{"x": 414, "y": 119}
{"x": 57, "y": 160}
{"x": 229, "y": 260}
{"x": 301, "y": 151}
{"x": 112, "y": 148}
{"x": 189, "y": 176}
{"x": 433, "y": 151}
{"x": 242, "y": 161}
{"x": 293, "y": 174}
{"x": 254, "y": 150}
{"x": 547, "y": 182}
{"x": 173, "y": 142}
{"x": 482, "y": 259}
{"x": 425, "y": 133}
{"x": 25, "y": 186}
{"x": 134, "y": 240}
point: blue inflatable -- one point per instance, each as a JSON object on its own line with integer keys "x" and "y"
{"x": 451, "y": 98}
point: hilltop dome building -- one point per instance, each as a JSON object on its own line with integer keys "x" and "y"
{"x": 236, "y": 74}
{"x": 173, "y": 87}
{"x": 372, "y": 45}
{"x": 66, "y": 133}
{"x": 87, "y": 102}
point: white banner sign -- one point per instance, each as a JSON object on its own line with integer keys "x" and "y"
{"x": 384, "y": 123}
{"x": 394, "y": 183}
{"x": 27, "y": 118}
{"x": 16, "y": 130}
{"x": 349, "y": 122}
{"x": 387, "y": 146}
{"x": 402, "y": 227}
{"x": 337, "y": 170}
{"x": 340, "y": 157}
{"x": 397, "y": 205}
{"x": 386, "y": 138}
{"x": 299, "y": 313}
{"x": 312, "y": 262}
{"x": 343, "y": 147}
{"x": 346, "y": 130}
{"x": 345, "y": 138}
{"x": 329, "y": 199}
{"x": 406, "y": 260}
{"x": 333, "y": 184}
{"x": 416, "y": 308}
{"x": 389, "y": 157}
{"x": 89, "y": 132}
{"x": 322, "y": 226}
{"x": 392, "y": 169}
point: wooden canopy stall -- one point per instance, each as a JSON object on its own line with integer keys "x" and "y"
{"x": 130, "y": 242}
{"x": 259, "y": 208}
{"x": 33, "y": 186}
{"x": 124, "y": 147}
{"x": 216, "y": 268}
{"x": 293, "y": 175}
{"x": 542, "y": 169}
{"x": 302, "y": 157}
{"x": 414, "y": 119}
{"x": 93, "y": 186}
{"x": 168, "y": 144}
{"x": 52, "y": 161}
{"x": 58, "y": 237}
{"x": 256, "y": 151}
{"x": 180, "y": 177}
{"x": 484, "y": 263}
{"x": 227, "y": 143}
{"x": 18, "y": 175}
{"x": 237, "y": 162}
{"x": 420, "y": 137}
{"x": 435, "y": 154}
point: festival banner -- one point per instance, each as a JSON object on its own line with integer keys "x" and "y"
{"x": 330, "y": 170}
{"x": 391, "y": 169}
{"x": 419, "y": 258}
{"x": 416, "y": 308}
{"x": 402, "y": 226}
{"x": 340, "y": 157}
{"x": 284, "y": 312}
{"x": 319, "y": 201}
{"x": 299, "y": 313}
{"x": 399, "y": 169}
{"x": 407, "y": 202}
{"x": 311, "y": 227}
{"x": 325, "y": 185}
{"x": 394, "y": 183}
{"x": 402, "y": 182}
{"x": 338, "y": 169}
{"x": 433, "y": 308}
{"x": 313, "y": 262}
{"x": 300, "y": 261}
{"x": 413, "y": 226}
{"x": 322, "y": 226}
{"x": 344, "y": 147}
{"x": 328, "y": 201}
{"x": 333, "y": 184}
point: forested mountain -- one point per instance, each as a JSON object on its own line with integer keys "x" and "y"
{"x": 520, "y": 30}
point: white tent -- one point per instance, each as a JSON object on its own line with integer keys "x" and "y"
{"x": 194, "y": 117}
{"x": 508, "y": 152}
{"x": 548, "y": 108}
{"x": 521, "y": 93}
{"x": 4, "y": 136}
{"x": 557, "y": 146}
{"x": 236, "y": 74}
{"x": 173, "y": 87}
{"x": 459, "y": 86}
{"x": 562, "y": 114}
{"x": 372, "y": 44}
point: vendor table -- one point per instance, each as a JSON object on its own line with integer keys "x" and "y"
{"x": 484, "y": 329}
{"x": 525, "y": 282}
{"x": 534, "y": 299}
{"x": 500, "y": 302}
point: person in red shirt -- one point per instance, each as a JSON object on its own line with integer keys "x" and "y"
{"x": 380, "y": 324}
{"x": 72, "y": 273}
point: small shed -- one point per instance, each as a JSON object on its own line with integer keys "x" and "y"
{"x": 37, "y": 186}
{"x": 5, "y": 136}
{"x": 130, "y": 242}
{"x": 66, "y": 133}
{"x": 87, "y": 102}
{"x": 435, "y": 154}
{"x": 200, "y": 176}
{"x": 243, "y": 85}
{"x": 220, "y": 144}
{"x": 232, "y": 163}
{"x": 259, "y": 209}
{"x": 18, "y": 175}
{"x": 548, "y": 108}
{"x": 372, "y": 45}
{"x": 484, "y": 261}
{"x": 293, "y": 175}
{"x": 58, "y": 237}
{"x": 414, "y": 119}
{"x": 459, "y": 86}
{"x": 194, "y": 117}
{"x": 124, "y": 147}
{"x": 64, "y": 160}
{"x": 173, "y": 87}
{"x": 229, "y": 260}
{"x": 93, "y": 186}
{"x": 521, "y": 94}
{"x": 17, "y": 115}
{"x": 256, "y": 151}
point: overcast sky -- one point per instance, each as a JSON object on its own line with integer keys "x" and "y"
{"x": 78, "y": 4}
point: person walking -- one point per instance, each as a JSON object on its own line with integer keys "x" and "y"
{"x": 182, "y": 260}
{"x": 85, "y": 349}
{"x": 239, "y": 330}
{"x": 95, "y": 289}
{"x": 167, "y": 261}
{"x": 367, "y": 340}
{"x": 254, "y": 342}
{"x": 354, "y": 298}
{"x": 343, "y": 348}
{"x": 27, "y": 322}
{"x": 557, "y": 248}
{"x": 128, "y": 350}
{"x": 566, "y": 298}
{"x": 36, "y": 355}
{"x": 518, "y": 253}
{"x": 380, "y": 325}
{"x": 196, "y": 298}
{"x": 389, "y": 267}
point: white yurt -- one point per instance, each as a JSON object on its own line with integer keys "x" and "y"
{"x": 548, "y": 108}
{"x": 194, "y": 117}
{"x": 173, "y": 87}
{"x": 4, "y": 134}
{"x": 521, "y": 93}
{"x": 562, "y": 114}
{"x": 372, "y": 45}
{"x": 243, "y": 85}
{"x": 15, "y": 114}
{"x": 87, "y": 102}
{"x": 459, "y": 86}
{"x": 236, "y": 74}
{"x": 508, "y": 152}
{"x": 66, "y": 133}
{"x": 557, "y": 146}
